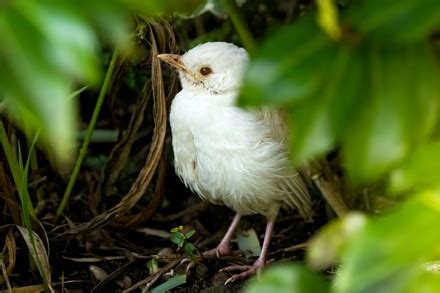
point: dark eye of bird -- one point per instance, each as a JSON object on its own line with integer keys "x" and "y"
{"x": 205, "y": 71}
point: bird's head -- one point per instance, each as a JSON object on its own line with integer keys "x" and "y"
{"x": 216, "y": 67}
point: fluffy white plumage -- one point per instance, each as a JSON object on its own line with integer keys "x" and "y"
{"x": 226, "y": 154}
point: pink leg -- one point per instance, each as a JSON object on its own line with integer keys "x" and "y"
{"x": 258, "y": 265}
{"x": 224, "y": 248}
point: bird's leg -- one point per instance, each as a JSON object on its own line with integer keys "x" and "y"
{"x": 249, "y": 270}
{"x": 224, "y": 247}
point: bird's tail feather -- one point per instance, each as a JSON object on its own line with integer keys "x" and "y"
{"x": 297, "y": 194}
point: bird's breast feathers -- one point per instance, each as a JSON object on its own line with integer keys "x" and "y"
{"x": 227, "y": 154}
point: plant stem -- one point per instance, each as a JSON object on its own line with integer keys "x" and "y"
{"x": 241, "y": 27}
{"x": 85, "y": 144}
{"x": 33, "y": 154}
{"x": 17, "y": 174}
{"x": 12, "y": 161}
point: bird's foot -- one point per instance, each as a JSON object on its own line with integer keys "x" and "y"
{"x": 221, "y": 250}
{"x": 246, "y": 271}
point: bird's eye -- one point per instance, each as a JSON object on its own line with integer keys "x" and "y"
{"x": 205, "y": 71}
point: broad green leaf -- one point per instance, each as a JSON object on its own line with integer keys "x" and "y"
{"x": 403, "y": 21}
{"x": 387, "y": 255}
{"x": 381, "y": 135}
{"x": 420, "y": 169}
{"x": 319, "y": 122}
{"x": 178, "y": 238}
{"x": 385, "y": 131}
{"x": 190, "y": 249}
{"x": 289, "y": 66}
{"x": 47, "y": 47}
{"x": 426, "y": 282}
{"x": 110, "y": 19}
{"x": 190, "y": 233}
{"x": 287, "y": 278}
{"x": 70, "y": 42}
{"x": 425, "y": 104}
{"x": 34, "y": 91}
{"x": 330, "y": 244}
{"x": 169, "y": 284}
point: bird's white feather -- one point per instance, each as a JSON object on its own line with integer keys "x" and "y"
{"x": 227, "y": 154}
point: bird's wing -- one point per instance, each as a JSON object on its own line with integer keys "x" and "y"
{"x": 294, "y": 184}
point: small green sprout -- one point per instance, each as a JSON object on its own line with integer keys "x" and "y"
{"x": 153, "y": 266}
{"x": 181, "y": 239}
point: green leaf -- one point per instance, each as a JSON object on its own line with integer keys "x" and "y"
{"x": 190, "y": 249}
{"x": 287, "y": 278}
{"x": 50, "y": 46}
{"x": 425, "y": 282}
{"x": 169, "y": 284}
{"x": 420, "y": 170}
{"x": 319, "y": 122}
{"x": 329, "y": 245}
{"x": 389, "y": 252}
{"x": 178, "y": 238}
{"x": 189, "y": 234}
{"x": 153, "y": 266}
{"x": 34, "y": 91}
{"x": 176, "y": 229}
{"x": 403, "y": 21}
{"x": 74, "y": 53}
{"x": 385, "y": 130}
{"x": 289, "y": 66}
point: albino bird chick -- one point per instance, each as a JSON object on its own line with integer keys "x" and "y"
{"x": 226, "y": 154}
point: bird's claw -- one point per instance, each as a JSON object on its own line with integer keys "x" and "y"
{"x": 246, "y": 271}
{"x": 220, "y": 250}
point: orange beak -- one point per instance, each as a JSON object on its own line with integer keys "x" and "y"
{"x": 175, "y": 61}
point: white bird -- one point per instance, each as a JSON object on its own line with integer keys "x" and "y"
{"x": 226, "y": 154}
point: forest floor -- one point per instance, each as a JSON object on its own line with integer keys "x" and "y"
{"x": 114, "y": 259}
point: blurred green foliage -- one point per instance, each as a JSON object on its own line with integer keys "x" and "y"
{"x": 376, "y": 255}
{"x": 288, "y": 278}
{"x": 374, "y": 92}
{"x": 362, "y": 91}
{"x": 48, "y": 48}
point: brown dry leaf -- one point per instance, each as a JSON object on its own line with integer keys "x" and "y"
{"x": 119, "y": 154}
{"x": 94, "y": 259}
{"x": 8, "y": 196}
{"x": 141, "y": 183}
{"x": 11, "y": 251}
{"x": 329, "y": 186}
{"x": 38, "y": 253}
{"x": 159, "y": 195}
{"x": 98, "y": 273}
